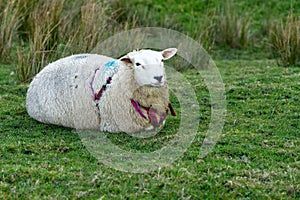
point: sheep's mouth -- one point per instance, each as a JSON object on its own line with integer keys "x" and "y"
{"x": 156, "y": 84}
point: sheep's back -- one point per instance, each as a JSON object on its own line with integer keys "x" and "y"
{"x": 60, "y": 94}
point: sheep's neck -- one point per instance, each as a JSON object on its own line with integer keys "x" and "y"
{"x": 154, "y": 97}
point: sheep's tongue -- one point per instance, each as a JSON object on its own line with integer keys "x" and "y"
{"x": 156, "y": 119}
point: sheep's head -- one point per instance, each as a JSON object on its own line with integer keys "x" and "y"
{"x": 148, "y": 65}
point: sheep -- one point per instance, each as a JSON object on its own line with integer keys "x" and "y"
{"x": 96, "y": 92}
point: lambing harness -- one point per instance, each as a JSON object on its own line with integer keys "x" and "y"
{"x": 108, "y": 70}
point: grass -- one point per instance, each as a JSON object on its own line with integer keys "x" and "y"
{"x": 285, "y": 41}
{"x": 232, "y": 29}
{"x": 10, "y": 22}
{"x": 68, "y": 27}
{"x": 43, "y": 38}
{"x": 257, "y": 156}
{"x": 63, "y": 27}
{"x": 217, "y": 24}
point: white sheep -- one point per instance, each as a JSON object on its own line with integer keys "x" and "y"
{"x": 89, "y": 91}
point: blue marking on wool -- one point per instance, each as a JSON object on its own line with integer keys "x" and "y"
{"x": 110, "y": 63}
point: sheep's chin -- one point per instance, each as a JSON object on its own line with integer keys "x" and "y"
{"x": 156, "y": 84}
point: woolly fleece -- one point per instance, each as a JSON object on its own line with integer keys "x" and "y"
{"x": 61, "y": 94}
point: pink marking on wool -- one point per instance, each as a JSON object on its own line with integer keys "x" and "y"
{"x": 137, "y": 108}
{"x": 91, "y": 83}
{"x": 150, "y": 113}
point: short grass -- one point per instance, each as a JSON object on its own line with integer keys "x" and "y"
{"x": 257, "y": 156}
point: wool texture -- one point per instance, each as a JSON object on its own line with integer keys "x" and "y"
{"x": 63, "y": 94}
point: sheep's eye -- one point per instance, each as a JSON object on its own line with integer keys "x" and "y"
{"x": 137, "y": 64}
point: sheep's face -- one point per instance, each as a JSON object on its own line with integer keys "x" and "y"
{"x": 148, "y": 66}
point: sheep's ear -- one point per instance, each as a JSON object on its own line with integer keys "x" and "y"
{"x": 126, "y": 60}
{"x": 169, "y": 53}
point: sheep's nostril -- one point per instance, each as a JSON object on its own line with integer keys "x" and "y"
{"x": 159, "y": 78}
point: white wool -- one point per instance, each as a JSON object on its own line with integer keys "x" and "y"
{"x": 62, "y": 94}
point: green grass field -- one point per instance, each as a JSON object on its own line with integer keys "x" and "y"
{"x": 256, "y": 157}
